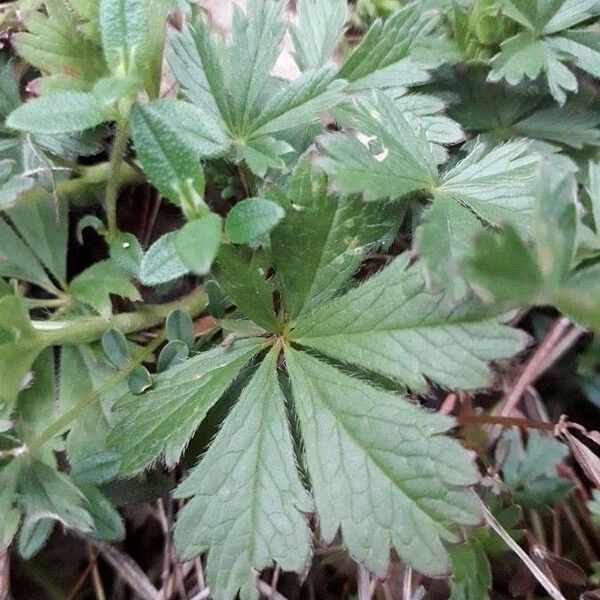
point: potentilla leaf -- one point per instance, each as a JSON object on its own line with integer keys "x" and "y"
{"x": 322, "y": 240}
{"x": 18, "y": 261}
{"x": 83, "y": 371}
{"x": 380, "y": 469}
{"x": 385, "y": 159}
{"x": 46, "y": 493}
{"x": 43, "y": 222}
{"x": 95, "y": 285}
{"x": 20, "y": 345}
{"x": 195, "y": 57}
{"x": 319, "y": 29}
{"x": 252, "y": 218}
{"x": 61, "y": 112}
{"x": 256, "y": 38}
{"x": 11, "y": 183}
{"x": 246, "y": 494}
{"x": 498, "y": 184}
{"x": 395, "y": 326}
{"x": 300, "y": 102}
{"x": 242, "y": 274}
{"x": 444, "y": 238}
{"x": 197, "y": 243}
{"x": 61, "y": 41}
{"x": 125, "y": 28}
{"x": 162, "y": 262}
{"x": 170, "y": 137}
{"x": 385, "y": 48}
{"x": 163, "y": 419}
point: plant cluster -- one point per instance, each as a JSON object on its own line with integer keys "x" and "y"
{"x": 252, "y": 283}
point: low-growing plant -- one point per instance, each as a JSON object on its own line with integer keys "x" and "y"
{"x": 250, "y": 283}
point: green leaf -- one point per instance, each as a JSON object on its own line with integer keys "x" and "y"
{"x": 96, "y": 284}
{"x": 593, "y": 189}
{"x": 525, "y": 56}
{"x": 424, "y": 113}
{"x": 444, "y": 239}
{"x": 108, "y": 525}
{"x": 162, "y": 421}
{"x": 264, "y": 153}
{"x": 126, "y": 251}
{"x": 322, "y": 240}
{"x": 114, "y": 345}
{"x": 95, "y": 469}
{"x": 83, "y": 371}
{"x": 505, "y": 267}
{"x": 20, "y": 345}
{"x": 319, "y": 29}
{"x": 61, "y": 112}
{"x": 471, "y": 572}
{"x": 242, "y": 274}
{"x": 246, "y": 495}
{"x": 197, "y": 243}
{"x": 400, "y": 163}
{"x": 196, "y": 59}
{"x": 252, "y": 218}
{"x": 299, "y": 103}
{"x": 46, "y": 493}
{"x": 555, "y": 222}
{"x": 256, "y": 38}
{"x": 162, "y": 263}
{"x": 11, "y": 184}
{"x": 37, "y": 402}
{"x": 584, "y": 45}
{"x": 497, "y": 185}
{"x": 394, "y": 326}
{"x": 124, "y": 25}
{"x": 139, "y": 380}
{"x": 33, "y": 535}
{"x": 380, "y": 470}
{"x": 43, "y": 222}
{"x": 179, "y": 326}
{"x": 385, "y": 49}
{"x": 170, "y": 137}
{"x": 173, "y": 354}
{"x": 61, "y": 41}
{"x": 530, "y": 473}
{"x": 18, "y": 261}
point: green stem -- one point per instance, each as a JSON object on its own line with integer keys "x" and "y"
{"x": 89, "y": 177}
{"x": 112, "y": 187}
{"x": 84, "y": 330}
{"x": 58, "y": 426}
{"x": 31, "y": 303}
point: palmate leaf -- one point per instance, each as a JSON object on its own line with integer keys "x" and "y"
{"x": 95, "y": 285}
{"x": 394, "y": 326}
{"x": 319, "y": 29}
{"x": 233, "y": 83}
{"x": 322, "y": 240}
{"x": 443, "y": 239}
{"x": 539, "y": 49}
{"x": 382, "y": 58}
{"x": 502, "y": 114}
{"x": 246, "y": 493}
{"x": 162, "y": 421}
{"x": 64, "y": 40}
{"x": 496, "y": 184}
{"x": 379, "y": 468}
{"x": 401, "y": 163}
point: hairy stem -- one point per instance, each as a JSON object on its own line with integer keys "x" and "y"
{"x": 58, "y": 426}
{"x": 88, "y": 178}
{"x": 112, "y": 186}
{"x": 84, "y": 330}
